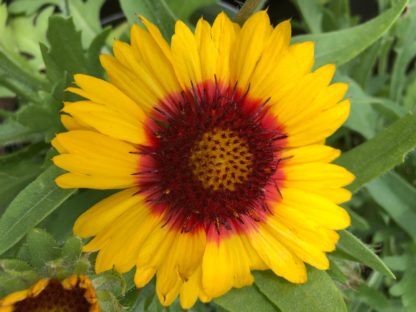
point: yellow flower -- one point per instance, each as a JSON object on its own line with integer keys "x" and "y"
{"x": 218, "y": 142}
{"x": 73, "y": 294}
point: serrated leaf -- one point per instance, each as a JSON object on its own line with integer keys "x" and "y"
{"x": 86, "y": 15}
{"x": 66, "y": 53}
{"x": 351, "y": 245}
{"x": 29, "y": 6}
{"x": 157, "y": 11}
{"x": 254, "y": 300}
{"x": 42, "y": 247}
{"x": 380, "y": 154}
{"x": 340, "y": 46}
{"x": 31, "y": 206}
{"x": 318, "y": 294}
{"x": 35, "y": 25}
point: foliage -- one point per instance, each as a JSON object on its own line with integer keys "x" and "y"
{"x": 43, "y": 43}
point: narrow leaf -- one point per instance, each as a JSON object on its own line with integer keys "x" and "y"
{"x": 358, "y": 250}
{"x": 380, "y": 154}
{"x": 397, "y": 197}
{"x": 343, "y": 45}
{"x": 318, "y": 294}
{"x": 249, "y": 8}
{"x": 312, "y": 12}
{"x": 32, "y": 205}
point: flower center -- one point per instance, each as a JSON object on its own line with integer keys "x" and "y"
{"x": 55, "y": 298}
{"x": 221, "y": 159}
{"x": 212, "y": 159}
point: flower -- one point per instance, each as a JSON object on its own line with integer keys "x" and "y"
{"x": 74, "y": 293}
{"x": 218, "y": 144}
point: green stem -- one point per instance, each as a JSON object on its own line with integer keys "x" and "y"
{"x": 249, "y": 7}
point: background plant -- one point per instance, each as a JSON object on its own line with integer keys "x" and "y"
{"x": 44, "y": 42}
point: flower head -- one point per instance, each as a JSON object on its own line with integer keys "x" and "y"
{"x": 73, "y": 294}
{"x": 218, "y": 142}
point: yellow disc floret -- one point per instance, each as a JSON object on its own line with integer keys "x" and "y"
{"x": 221, "y": 159}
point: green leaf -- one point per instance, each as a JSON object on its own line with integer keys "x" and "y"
{"x": 336, "y": 273}
{"x": 17, "y": 79}
{"x": 397, "y": 197}
{"x": 17, "y": 170}
{"x": 312, "y": 13}
{"x": 358, "y": 250}
{"x": 318, "y": 294}
{"x": 86, "y": 15}
{"x": 374, "y": 299}
{"x": 245, "y": 299}
{"x": 61, "y": 221}
{"x": 407, "y": 285}
{"x": 14, "y": 265}
{"x": 38, "y": 117}
{"x": 35, "y": 25}
{"x": 380, "y": 154}
{"x": 29, "y": 6}
{"x": 66, "y": 52}
{"x": 410, "y": 97}
{"x": 340, "y": 46}
{"x": 93, "y": 52}
{"x": 108, "y": 302}
{"x": 31, "y": 206}
{"x": 13, "y": 132}
{"x": 42, "y": 247}
{"x": 404, "y": 57}
{"x": 72, "y": 248}
{"x": 157, "y": 11}
{"x": 184, "y": 10}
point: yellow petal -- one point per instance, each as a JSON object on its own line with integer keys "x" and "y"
{"x": 317, "y": 208}
{"x": 225, "y": 265}
{"x": 105, "y": 93}
{"x": 107, "y": 121}
{"x": 279, "y": 259}
{"x": 105, "y": 212}
{"x": 185, "y": 56}
{"x": 248, "y": 48}
{"x": 308, "y": 154}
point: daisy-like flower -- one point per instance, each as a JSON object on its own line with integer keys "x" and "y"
{"x": 73, "y": 294}
{"x": 218, "y": 142}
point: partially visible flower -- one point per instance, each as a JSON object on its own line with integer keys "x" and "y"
{"x": 217, "y": 142}
{"x": 73, "y": 294}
